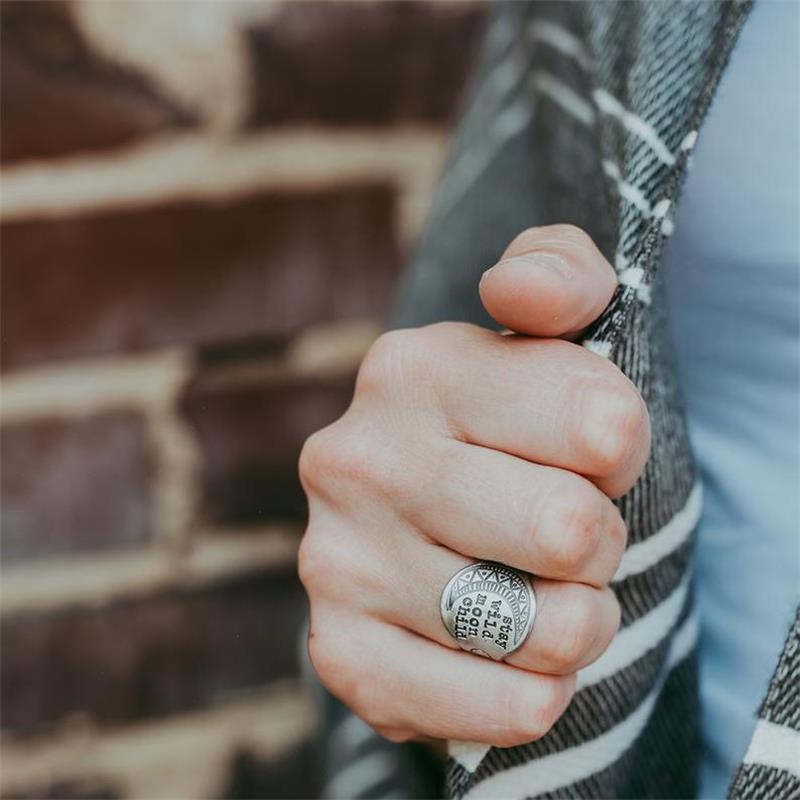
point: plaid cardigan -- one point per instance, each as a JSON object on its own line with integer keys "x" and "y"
{"x": 587, "y": 113}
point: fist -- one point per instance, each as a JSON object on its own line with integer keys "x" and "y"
{"x": 464, "y": 444}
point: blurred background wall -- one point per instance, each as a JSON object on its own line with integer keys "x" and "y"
{"x": 205, "y": 207}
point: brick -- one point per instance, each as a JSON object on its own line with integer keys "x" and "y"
{"x": 146, "y": 656}
{"x": 195, "y": 272}
{"x": 60, "y": 98}
{"x": 355, "y": 63}
{"x": 263, "y": 265}
{"x": 250, "y": 426}
{"x": 73, "y": 485}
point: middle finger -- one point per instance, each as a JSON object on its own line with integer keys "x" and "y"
{"x": 493, "y": 506}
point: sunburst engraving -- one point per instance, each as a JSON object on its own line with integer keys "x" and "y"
{"x": 489, "y": 608}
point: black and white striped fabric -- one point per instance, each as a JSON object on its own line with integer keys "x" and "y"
{"x": 587, "y": 113}
{"x": 771, "y": 766}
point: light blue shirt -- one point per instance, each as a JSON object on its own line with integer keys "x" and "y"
{"x": 731, "y": 274}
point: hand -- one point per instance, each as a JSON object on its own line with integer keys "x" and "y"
{"x": 464, "y": 444}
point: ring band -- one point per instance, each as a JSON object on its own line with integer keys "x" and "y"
{"x": 489, "y": 608}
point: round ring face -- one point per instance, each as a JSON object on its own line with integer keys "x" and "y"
{"x": 488, "y": 609}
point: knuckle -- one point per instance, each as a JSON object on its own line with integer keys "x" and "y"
{"x": 317, "y": 562}
{"x": 518, "y": 723}
{"x": 613, "y": 421}
{"x": 572, "y": 528}
{"x": 553, "y": 707}
{"x": 307, "y": 562}
{"x": 412, "y": 359}
{"x": 381, "y": 361}
{"x": 578, "y": 632}
{"x": 333, "y": 455}
{"x": 609, "y": 617}
{"x": 616, "y": 620}
{"x": 618, "y": 531}
{"x": 308, "y": 463}
{"x": 314, "y": 460}
{"x": 394, "y": 359}
{"x": 531, "y": 718}
{"x": 339, "y": 563}
{"x": 348, "y": 454}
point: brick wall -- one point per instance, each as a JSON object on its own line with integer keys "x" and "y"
{"x": 205, "y": 207}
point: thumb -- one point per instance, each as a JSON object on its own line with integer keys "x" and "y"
{"x": 551, "y": 281}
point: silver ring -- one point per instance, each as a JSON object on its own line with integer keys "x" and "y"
{"x": 489, "y": 608}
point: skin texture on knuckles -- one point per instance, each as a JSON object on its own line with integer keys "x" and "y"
{"x": 464, "y": 445}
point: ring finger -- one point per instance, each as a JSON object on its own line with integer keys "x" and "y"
{"x": 573, "y": 623}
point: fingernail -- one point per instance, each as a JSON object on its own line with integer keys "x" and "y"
{"x": 540, "y": 260}
{"x": 553, "y": 262}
